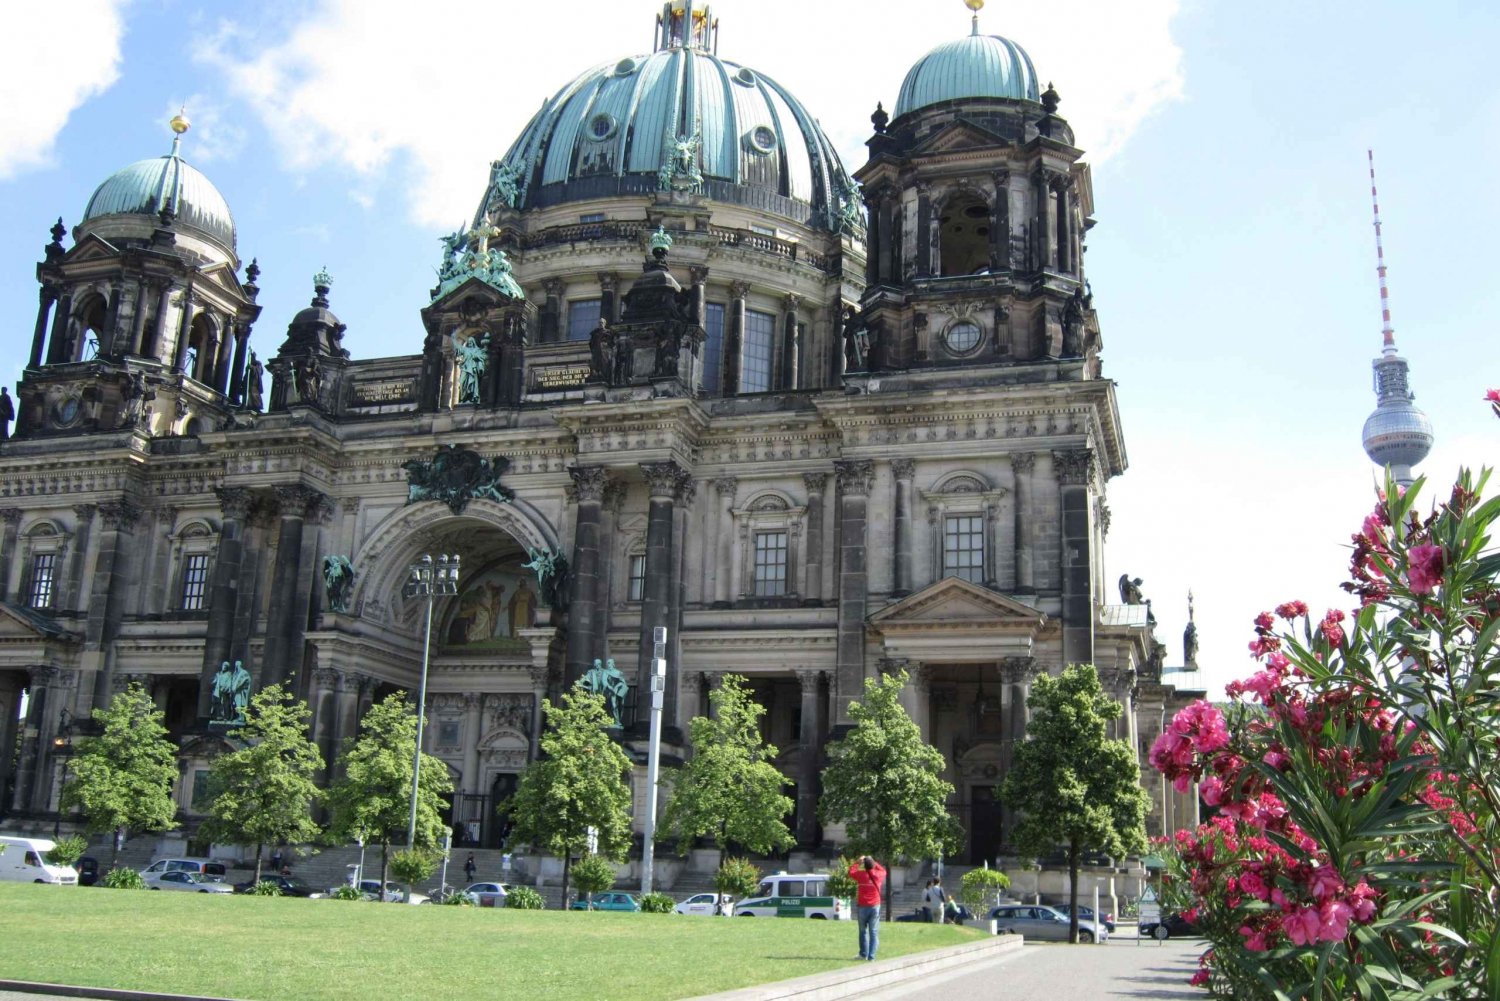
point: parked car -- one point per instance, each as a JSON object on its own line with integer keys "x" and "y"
{"x": 189, "y": 882}
{"x": 610, "y": 900}
{"x": 206, "y": 867}
{"x": 1042, "y": 923}
{"x": 88, "y": 870}
{"x": 1171, "y": 925}
{"x": 487, "y": 894}
{"x": 1086, "y": 915}
{"x": 290, "y": 886}
{"x": 963, "y": 915}
{"x": 394, "y": 892}
{"x": 24, "y": 860}
{"x": 703, "y": 903}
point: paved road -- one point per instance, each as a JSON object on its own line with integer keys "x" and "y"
{"x": 1119, "y": 970}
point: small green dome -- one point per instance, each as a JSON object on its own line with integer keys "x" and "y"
{"x": 983, "y": 66}
{"x": 147, "y": 186}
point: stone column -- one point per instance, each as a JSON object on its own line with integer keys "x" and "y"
{"x": 812, "y": 590}
{"x": 472, "y": 723}
{"x": 926, "y": 244}
{"x": 921, "y": 699}
{"x": 157, "y": 562}
{"x": 137, "y": 319}
{"x": 57, "y": 349}
{"x": 184, "y": 331}
{"x": 283, "y": 660}
{"x": 724, "y": 542}
{"x": 34, "y": 730}
{"x": 1075, "y": 476}
{"x": 902, "y": 470}
{"x": 10, "y": 721}
{"x": 539, "y": 679}
{"x": 255, "y": 579}
{"x": 237, "y": 367}
{"x": 790, "y": 371}
{"x": 107, "y": 593}
{"x": 734, "y": 347}
{"x": 551, "y": 318}
{"x": 690, "y": 694}
{"x": 10, "y": 519}
{"x": 991, "y": 541}
{"x": 583, "y": 610}
{"x": 46, "y": 296}
{"x": 875, "y": 232}
{"x": 687, "y": 492}
{"x": 159, "y": 328}
{"x": 325, "y": 716}
{"x": 810, "y": 760}
{"x": 346, "y": 716}
{"x": 1021, "y": 466}
{"x": 854, "y": 477}
{"x": 609, "y": 538}
{"x": 609, "y": 286}
{"x": 1000, "y": 223}
{"x": 224, "y": 589}
{"x": 665, "y": 481}
{"x": 69, "y": 593}
{"x": 1016, "y": 674}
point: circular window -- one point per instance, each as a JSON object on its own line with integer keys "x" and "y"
{"x": 601, "y": 127}
{"x": 745, "y": 77}
{"x": 761, "y": 139}
{"x": 625, "y": 67}
{"x": 962, "y": 337}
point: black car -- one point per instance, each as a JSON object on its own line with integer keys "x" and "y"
{"x": 88, "y": 870}
{"x": 1172, "y": 925}
{"x": 290, "y": 886}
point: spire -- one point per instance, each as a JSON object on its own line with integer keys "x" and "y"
{"x": 974, "y": 5}
{"x": 1387, "y": 332}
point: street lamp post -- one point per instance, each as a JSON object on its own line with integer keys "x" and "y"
{"x": 428, "y": 579}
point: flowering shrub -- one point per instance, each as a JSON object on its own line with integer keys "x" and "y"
{"x": 1356, "y": 777}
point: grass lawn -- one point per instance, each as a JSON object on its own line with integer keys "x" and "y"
{"x": 282, "y": 949}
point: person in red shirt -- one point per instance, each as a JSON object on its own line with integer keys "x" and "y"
{"x": 869, "y": 875}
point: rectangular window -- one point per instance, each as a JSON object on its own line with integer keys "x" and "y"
{"x": 583, "y": 317}
{"x": 760, "y": 338}
{"x": 203, "y": 793}
{"x": 43, "y": 580}
{"x": 591, "y": 217}
{"x": 637, "y": 588}
{"x": 194, "y": 581}
{"x": 762, "y": 230}
{"x": 963, "y": 547}
{"x": 448, "y": 733}
{"x": 713, "y": 346}
{"x": 770, "y": 564}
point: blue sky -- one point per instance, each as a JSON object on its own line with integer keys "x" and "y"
{"x": 1233, "y": 261}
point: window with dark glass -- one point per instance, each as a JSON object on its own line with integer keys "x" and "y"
{"x": 43, "y": 580}
{"x": 963, "y": 547}
{"x": 194, "y": 581}
{"x": 770, "y": 564}
{"x": 636, "y": 591}
{"x": 591, "y": 217}
{"x": 713, "y": 347}
{"x": 583, "y": 317}
{"x": 760, "y": 337}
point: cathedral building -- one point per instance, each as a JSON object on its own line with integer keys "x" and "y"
{"x": 682, "y": 370}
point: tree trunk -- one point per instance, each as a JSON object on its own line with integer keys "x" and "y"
{"x": 384, "y": 849}
{"x": 114, "y": 852}
{"x": 258, "y": 846}
{"x": 1073, "y": 891}
{"x": 567, "y": 864}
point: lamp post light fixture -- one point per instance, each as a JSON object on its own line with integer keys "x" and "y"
{"x": 429, "y": 578}
{"x": 62, "y": 747}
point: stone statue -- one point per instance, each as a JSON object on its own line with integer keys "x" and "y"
{"x": 309, "y": 378}
{"x": 230, "y": 694}
{"x": 605, "y": 679}
{"x": 255, "y": 384}
{"x": 7, "y": 412}
{"x": 551, "y": 571}
{"x": 453, "y": 245}
{"x": 1130, "y": 590}
{"x": 601, "y": 351}
{"x": 680, "y": 170}
{"x": 1073, "y": 325}
{"x": 503, "y": 188}
{"x": 856, "y": 342}
{"x": 338, "y": 582}
{"x": 454, "y": 476}
{"x": 473, "y": 357}
{"x": 135, "y": 401}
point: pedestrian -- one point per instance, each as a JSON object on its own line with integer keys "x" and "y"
{"x": 276, "y": 859}
{"x": 469, "y": 867}
{"x": 869, "y": 875}
{"x": 941, "y": 901}
{"x": 932, "y": 902}
{"x": 927, "y": 902}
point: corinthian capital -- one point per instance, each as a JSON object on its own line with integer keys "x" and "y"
{"x": 1074, "y": 466}
{"x": 665, "y": 479}
{"x": 120, "y": 515}
{"x": 855, "y": 476}
{"x": 589, "y": 482}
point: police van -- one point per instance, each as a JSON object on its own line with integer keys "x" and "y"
{"x": 795, "y": 895}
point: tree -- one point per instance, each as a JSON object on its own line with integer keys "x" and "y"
{"x": 577, "y": 786}
{"x": 123, "y": 777}
{"x": 885, "y": 785}
{"x": 729, "y": 791}
{"x": 373, "y": 799}
{"x": 593, "y": 874}
{"x": 1070, "y": 785}
{"x": 264, "y": 791}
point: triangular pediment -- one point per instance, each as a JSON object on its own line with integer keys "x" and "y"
{"x": 20, "y": 623}
{"x": 952, "y": 601}
{"x": 91, "y": 248}
{"x": 958, "y": 135}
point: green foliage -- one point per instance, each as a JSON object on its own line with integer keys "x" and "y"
{"x": 68, "y": 851}
{"x": 840, "y": 883}
{"x": 657, "y": 903}
{"x": 346, "y": 892}
{"x": 123, "y": 777}
{"x": 266, "y": 888}
{"x": 123, "y": 879}
{"x": 729, "y": 791}
{"x": 885, "y": 785}
{"x": 737, "y": 877}
{"x": 265, "y": 790}
{"x": 457, "y": 899}
{"x": 593, "y": 874}
{"x": 982, "y": 889}
{"x": 415, "y": 865}
{"x": 524, "y": 898}
{"x": 373, "y": 798}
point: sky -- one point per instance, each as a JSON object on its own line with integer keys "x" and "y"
{"x": 1233, "y": 263}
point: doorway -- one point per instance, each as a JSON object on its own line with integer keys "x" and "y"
{"x": 497, "y": 825}
{"x": 985, "y": 828}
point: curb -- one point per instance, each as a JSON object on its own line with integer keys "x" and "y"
{"x": 857, "y": 980}
{"x": 105, "y": 993}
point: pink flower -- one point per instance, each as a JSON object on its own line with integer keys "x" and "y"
{"x": 1255, "y": 939}
{"x": 1325, "y": 882}
{"x": 1333, "y": 920}
{"x": 1199, "y": 979}
{"x": 1424, "y": 568}
{"x": 1252, "y": 884}
{"x": 1332, "y": 631}
{"x": 1362, "y": 898}
{"x": 1302, "y": 925}
{"x": 1291, "y": 609}
{"x": 1212, "y": 790}
{"x": 1277, "y": 760}
{"x": 1492, "y": 395}
{"x": 1182, "y": 782}
{"x": 1264, "y": 621}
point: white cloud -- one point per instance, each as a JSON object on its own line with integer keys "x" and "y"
{"x": 364, "y": 84}
{"x": 53, "y": 57}
{"x": 214, "y": 135}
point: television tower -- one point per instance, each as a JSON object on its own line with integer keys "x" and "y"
{"x": 1397, "y": 434}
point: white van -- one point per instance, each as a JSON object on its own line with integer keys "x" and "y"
{"x": 795, "y": 895}
{"x": 24, "y": 860}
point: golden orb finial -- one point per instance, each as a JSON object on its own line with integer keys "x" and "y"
{"x": 974, "y": 5}
{"x": 179, "y": 122}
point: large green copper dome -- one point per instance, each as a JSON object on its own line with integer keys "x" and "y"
{"x": 978, "y": 66}
{"x": 147, "y": 186}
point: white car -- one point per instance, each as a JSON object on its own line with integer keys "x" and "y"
{"x": 487, "y": 894}
{"x": 703, "y": 903}
{"x": 187, "y": 882}
{"x": 393, "y": 892}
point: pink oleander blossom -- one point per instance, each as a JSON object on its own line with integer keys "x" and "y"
{"x": 1333, "y": 920}
{"x": 1424, "y": 568}
{"x": 1302, "y": 925}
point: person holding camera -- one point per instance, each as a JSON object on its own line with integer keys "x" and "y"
{"x": 869, "y": 876}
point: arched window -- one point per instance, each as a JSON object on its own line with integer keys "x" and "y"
{"x": 964, "y": 247}
{"x": 89, "y": 318}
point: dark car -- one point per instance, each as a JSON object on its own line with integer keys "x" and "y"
{"x": 88, "y": 870}
{"x": 290, "y": 886}
{"x": 1172, "y": 925}
{"x": 1086, "y": 914}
